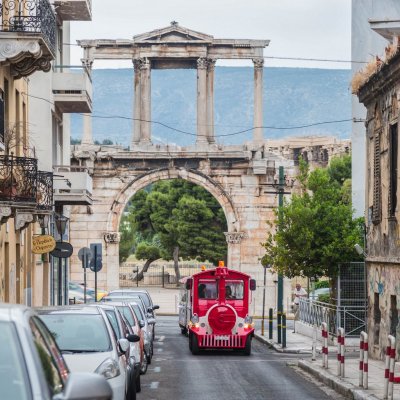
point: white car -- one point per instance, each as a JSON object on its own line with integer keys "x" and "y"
{"x": 32, "y": 366}
{"x": 87, "y": 342}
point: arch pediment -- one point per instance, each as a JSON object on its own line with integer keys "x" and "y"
{"x": 173, "y": 34}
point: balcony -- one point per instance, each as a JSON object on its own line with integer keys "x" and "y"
{"x": 72, "y": 91}
{"x": 18, "y": 181}
{"x": 72, "y": 186}
{"x": 74, "y": 10}
{"x": 27, "y": 36}
{"x": 44, "y": 196}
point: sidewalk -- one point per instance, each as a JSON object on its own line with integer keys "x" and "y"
{"x": 347, "y": 386}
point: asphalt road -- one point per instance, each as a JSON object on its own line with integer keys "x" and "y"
{"x": 176, "y": 374}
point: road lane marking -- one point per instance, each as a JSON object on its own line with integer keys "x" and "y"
{"x": 161, "y": 338}
{"x": 154, "y": 385}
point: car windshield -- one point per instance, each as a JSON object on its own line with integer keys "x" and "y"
{"x": 127, "y": 314}
{"x": 13, "y": 375}
{"x": 78, "y": 333}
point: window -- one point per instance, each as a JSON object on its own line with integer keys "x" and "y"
{"x": 234, "y": 289}
{"x": 2, "y": 117}
{"x": 207, "y": 289}
{"x": 393, "y": 147}
{"x": 48, "y": 353}
{"x": 112, "y": 317}
{"x": 126, "y": 312}
{"x": 394, "y": 315}
{"x": 377, "y": 318}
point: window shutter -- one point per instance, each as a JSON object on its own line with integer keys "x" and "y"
{"x": 376, "y": 209}
{"x": 1, "y": 119}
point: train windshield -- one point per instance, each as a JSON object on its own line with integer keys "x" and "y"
{"x": 234, "y": 289}
{"x": 207, "y": 289}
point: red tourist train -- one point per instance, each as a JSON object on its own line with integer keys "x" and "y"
{"x": 214, "y": 310}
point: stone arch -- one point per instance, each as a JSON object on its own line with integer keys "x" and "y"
{"x": 194, "y": 176}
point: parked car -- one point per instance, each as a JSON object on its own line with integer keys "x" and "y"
{"x": 86, "y": 339}
{"x": 74, "y": 287}
{"x": 122, "y": 329}
{"x": 32, "y": 366}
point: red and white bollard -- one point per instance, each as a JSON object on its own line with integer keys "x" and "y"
{"x": 389, "y": 368}
{"x": 340, "y": 352}
{"x": 363, "y": 368}
{"x": 324, "y": 345}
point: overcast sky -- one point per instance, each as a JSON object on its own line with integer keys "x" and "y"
{"x": 296, "y": 28}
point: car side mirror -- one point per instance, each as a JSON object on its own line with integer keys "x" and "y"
{"x": 142, "y": 324}
{"x": 150, "y": 309}
{"x": 132, "y": 338}
{"x": 156, "y": 307}
{"x": 123, "y": 345}
{"x": 85, "y": 386}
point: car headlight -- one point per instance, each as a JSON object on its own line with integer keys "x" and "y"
{"x": 108, "y": 368}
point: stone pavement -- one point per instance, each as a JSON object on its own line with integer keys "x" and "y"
{"x": 297, "y": 343}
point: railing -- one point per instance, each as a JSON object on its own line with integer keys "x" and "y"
{"x": 29, "y": 16}
{"x": 350, "y": 318}
{"x": 156, "y": 275}
{"x": 45, "y": 191}
{"x": 18, "y": 179}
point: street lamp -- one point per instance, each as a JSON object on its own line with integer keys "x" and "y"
{"x": 61, "y": 225}
{"x": 44, "y": 221}
{"x": 360, "y": 250}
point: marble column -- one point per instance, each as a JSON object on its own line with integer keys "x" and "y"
{"x": 145, "y": 108}
{"x": 210, "y": 100}
{"x": 136, "y": 103}
{"x": 87, "y": 137}
{"x": 258, "y": 136}
{"x": 202, "y": 101}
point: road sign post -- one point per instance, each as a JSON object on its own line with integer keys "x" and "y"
{"x": 281, "y": 189}
{"x": 84, "y": 254}
{"x": 96, "y": 263}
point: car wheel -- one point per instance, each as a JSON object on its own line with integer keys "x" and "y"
{"x": 247, "y": 348}
{"x": 149, "y": 357}
{"x": 138, "y": 385}
{"x": 131, "y": 393}
{"x": 143, "y": 368}
{"x": 183, "y": 331}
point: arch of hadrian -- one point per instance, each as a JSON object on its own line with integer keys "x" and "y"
{"x": 240, "y": 177}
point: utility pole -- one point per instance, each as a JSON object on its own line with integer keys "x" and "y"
{"x": 281, "y": 189}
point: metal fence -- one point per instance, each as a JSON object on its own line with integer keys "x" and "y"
{"x": 156, "y": 275}
{"x": 350, "y": 318}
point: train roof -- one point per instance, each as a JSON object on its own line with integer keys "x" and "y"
{"x": 221, "y": 271}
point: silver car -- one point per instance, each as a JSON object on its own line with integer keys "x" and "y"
{"x": 86, "y": 339}
{"x": 32, "y": 366}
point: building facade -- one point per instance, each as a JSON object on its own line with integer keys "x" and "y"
{"x": 379, "y": 92}
{"x": 32, "y": 37}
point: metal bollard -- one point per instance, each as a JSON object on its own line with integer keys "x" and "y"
{"x": 340, "y": 352}
{"x": 363, "y": 365}
{"x": 324, "y": 345}
{"x": 271, "y": 321}
{"x": 386, "y": 381}
{"x": 392, "y": 344}
{"x": 279, "y": 326}
{"x": 283, "y": 330}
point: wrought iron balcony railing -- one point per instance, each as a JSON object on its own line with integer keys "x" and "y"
{"x": 31, "y": 17}
{"x": 18, "y": 180}
{"x": 45, "y": 191}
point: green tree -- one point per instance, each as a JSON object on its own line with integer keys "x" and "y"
{"x": 187, "y": 221}
{"x": 315, "y": 230}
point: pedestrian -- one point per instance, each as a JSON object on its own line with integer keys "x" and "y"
{"x": 298, "y": 292}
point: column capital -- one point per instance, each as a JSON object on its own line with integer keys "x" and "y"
{"x": 211, "y": 64}
{"x": 145, "y": 63}
{"x": 87, "y": 63}
{"x": 202, "y": 63}
{"x": 137, "y": 63}
{"x": 258, "y": 63}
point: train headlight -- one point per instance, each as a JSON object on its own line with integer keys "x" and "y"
{"x": 248, "y": 319}
{"x": 195, "y": 319}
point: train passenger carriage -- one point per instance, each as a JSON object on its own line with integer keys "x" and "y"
{"x": 214, "y": 310}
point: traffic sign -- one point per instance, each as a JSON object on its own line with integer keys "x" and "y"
{"x": 96, "y": 263}
{"x": 62, "y": 250}
{"x": 85, "y": 255}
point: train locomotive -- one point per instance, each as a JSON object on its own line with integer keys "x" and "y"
{"x": 214, "y": 310}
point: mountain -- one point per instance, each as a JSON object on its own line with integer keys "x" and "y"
{"x": 292, "y": 97}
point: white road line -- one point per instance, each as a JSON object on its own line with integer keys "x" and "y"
{"x": 157, "y": 369}
{"x": 161, "y": 338}
{"x": 154, "y": 385}
{"x": 160, "y": 350}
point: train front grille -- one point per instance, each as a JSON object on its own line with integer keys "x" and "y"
{"x": 222, "y": 341}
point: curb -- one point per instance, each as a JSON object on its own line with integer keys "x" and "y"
{"x": 346, "y": 389}
{"x": 278, "y": 348}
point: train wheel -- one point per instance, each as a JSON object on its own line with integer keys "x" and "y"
{"x": 247, "y": 348}
{"x": 194, "y": 344}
